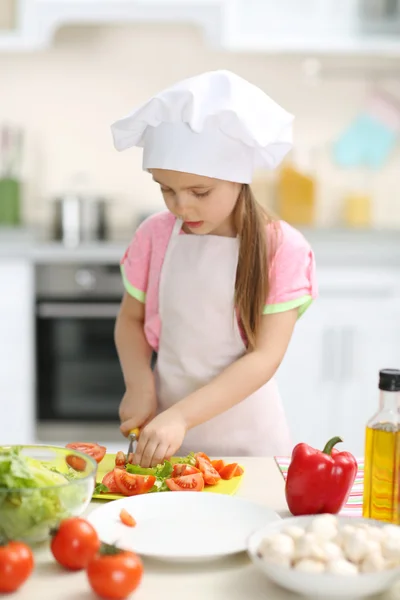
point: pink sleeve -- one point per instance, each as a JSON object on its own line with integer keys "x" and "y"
{"x": 292, "y": 279}
{"x": 135, "y": 264}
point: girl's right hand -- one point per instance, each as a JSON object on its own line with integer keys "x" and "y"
{"x": 136, "y": 411}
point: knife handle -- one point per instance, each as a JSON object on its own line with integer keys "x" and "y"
{"x": 135, "y": 432}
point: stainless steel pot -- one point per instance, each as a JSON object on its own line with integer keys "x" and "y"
{"x": 79, "y": 219}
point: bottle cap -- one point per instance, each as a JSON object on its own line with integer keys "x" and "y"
{"x": 389, "y": 380}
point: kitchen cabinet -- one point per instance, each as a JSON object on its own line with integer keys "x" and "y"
{"x": 288, "y": 26}
{"x": 16, "y": 351}
{"x": 329, "y": 377}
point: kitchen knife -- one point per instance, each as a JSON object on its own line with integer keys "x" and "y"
{"x": 133, "y": 438}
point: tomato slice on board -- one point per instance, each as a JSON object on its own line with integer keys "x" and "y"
{"x": 120, "y": 459}
{"x": 179, "y": 470}
{"x": 186, "y": 483}
{"x": 127, "y": 518}
{"x": 109, "y": 481}
{"x": 210, "y": 475}
{"x": 202, "y": 455}
{"x": 76, "y": 462}
{"x": 91, "y": 449}
{"x": 130, "y": 484}
{"x": 229, "y": 471}
{"x": 239, "y": 471}
{"x": 218, "y": 464}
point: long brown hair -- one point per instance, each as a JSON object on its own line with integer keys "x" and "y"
{"x": 252, "y": 281}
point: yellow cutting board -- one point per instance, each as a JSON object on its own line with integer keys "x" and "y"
{"x": 228, "y": 488}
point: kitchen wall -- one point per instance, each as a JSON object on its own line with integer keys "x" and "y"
{"x": 66, "y": 97}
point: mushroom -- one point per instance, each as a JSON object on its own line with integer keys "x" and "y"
{"x": 331, "y": 551}
{"x": 294, "y": 531}
{"x": 391, "y": 548}
{"x": 324, "y": 527}
{"x": 356, "y": 546}
{"x": 373, "y": 562}
{"x": 310, "y": 565}
{"x": 308, "y": 546}
{"x": 342, "y": 567}
{"x": 278, "y": 545}
{"x": 276, "y": 559}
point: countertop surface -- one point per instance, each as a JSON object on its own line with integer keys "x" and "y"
{"x": 228, "y": 579}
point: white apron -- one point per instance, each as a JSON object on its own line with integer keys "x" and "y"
{"x": 200, "y": 337}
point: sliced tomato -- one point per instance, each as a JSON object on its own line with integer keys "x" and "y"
{"x": 120, "y": 459}
{"x": 109, "y": 481}
{"x": 210, "y": 475}
{"x": 130, "y": 484}
{"x": 76, "y": 462}
{"x": 218, "y": 464}
{"x": 239, "y": 471}
{"x": 180, "y": 470}
{"x": 94, "y": 450}
{"x": 127, "y": 518}
{"x": 202, "y": 455}
{"x": 186, "y": 483}
{"x": 229, "y": 471}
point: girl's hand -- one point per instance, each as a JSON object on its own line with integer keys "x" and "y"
{"x": 136, "y": 410}
{"x": 161, "y": 438}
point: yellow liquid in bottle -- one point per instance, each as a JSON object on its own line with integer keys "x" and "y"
{"x": 381, "y": 473}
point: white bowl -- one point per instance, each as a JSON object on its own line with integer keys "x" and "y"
{"x": 324, "y": 585}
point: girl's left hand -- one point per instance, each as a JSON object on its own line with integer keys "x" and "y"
{"x": 161, "y": 438}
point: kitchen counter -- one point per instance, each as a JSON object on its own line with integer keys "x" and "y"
{"x": 233, "y": 578}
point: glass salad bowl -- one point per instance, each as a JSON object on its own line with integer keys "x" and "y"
{"x": 40, "y": 486}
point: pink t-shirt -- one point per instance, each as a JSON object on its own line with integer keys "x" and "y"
{"x": 292, "y": 281}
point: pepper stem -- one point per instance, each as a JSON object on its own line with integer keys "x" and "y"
{"x": 329, "y": 445}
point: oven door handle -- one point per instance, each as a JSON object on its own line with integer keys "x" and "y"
{"x": 79, "y": 310}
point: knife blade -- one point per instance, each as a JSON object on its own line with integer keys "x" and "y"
{"x": 133, "y": 439}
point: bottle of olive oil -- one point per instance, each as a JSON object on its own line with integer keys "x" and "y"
{"x": 382, "y": 448}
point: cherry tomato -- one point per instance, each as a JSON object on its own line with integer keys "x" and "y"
{"x": 76, "y": 462}
{"x": 218, "y": 464}
{"x": 229, "y": 471}
{"x": 74, "y": 543}
{"x": 16, "y": 565}
{"x": 178, "y": 470}
{"x": 186, "y": 483}
{"x": 127, "y": 518}
{"x": 130, "y": 484}
{"x": 94, "y": 450}
{"x": 211, "y": 476}
{"x": 120, "y": 459}
{"x": 113, "y": 573}
{"x": 109, "y": 481}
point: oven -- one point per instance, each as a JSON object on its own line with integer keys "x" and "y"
{"x": 78, "y": 376}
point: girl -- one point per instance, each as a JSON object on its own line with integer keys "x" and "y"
{"x": 213, "y": 285}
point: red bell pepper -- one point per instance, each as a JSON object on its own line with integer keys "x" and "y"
{"x": 319, "y": 482}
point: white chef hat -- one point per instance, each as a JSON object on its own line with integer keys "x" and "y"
{"x": 215, "y": 124}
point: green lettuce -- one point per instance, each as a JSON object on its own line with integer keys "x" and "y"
{"x": 161, "y": 472}
{"x": 33, "y": 497}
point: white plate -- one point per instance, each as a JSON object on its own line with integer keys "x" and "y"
{"x": 182, "y": 525}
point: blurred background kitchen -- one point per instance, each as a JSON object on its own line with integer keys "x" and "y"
{"x": 69, "y": 203}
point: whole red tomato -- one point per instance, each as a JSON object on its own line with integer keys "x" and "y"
{"x": 113, "y": 573}
{"x": 16, "y": 565}
{"x": 74, "y": 543}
